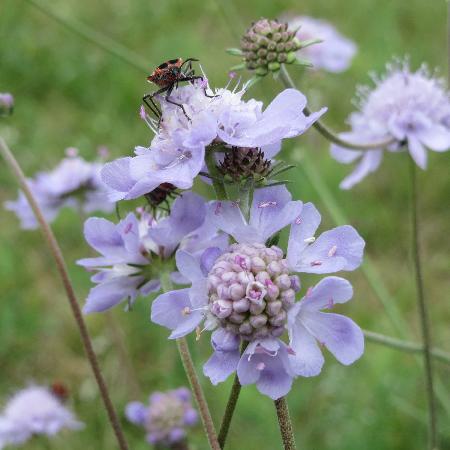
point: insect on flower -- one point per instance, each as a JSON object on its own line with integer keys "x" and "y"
{"x": 167, "y": 76}
{"x": 161, "y": 195}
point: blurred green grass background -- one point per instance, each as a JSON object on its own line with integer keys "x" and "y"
{"x": 70, "y": 92}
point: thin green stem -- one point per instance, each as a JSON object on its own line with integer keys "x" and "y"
{"x": 64, "y": 275}
{"x": 219, "y": 187}
{"x": 423, "y": 314}
{"x": 197, "y": 390}
{"x": 285, "y": 424}
{"x": 189, "y": 368}
{"x": 327, "y": 132}
{"x": 229, "y": 411}
{"x": 407, "y": 346}
{"x": 231, "y": 406}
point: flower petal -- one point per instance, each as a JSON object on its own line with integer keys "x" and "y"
{"x": 326, "y": 294}
{"x": 417, "y": 151}
{"x": 189, "y": 266}
{"x": 171, "y": 310}
{"x": 272, "y": 210}
{"x": 116, "y": 175}
{"x": 369, "y": 163}
{"x": 271, "y": 372}
{"x": 109, "y": 294}
{"x": 307, "y": 360}
{"x": 342, "y": 337}
{"x": 225, "y": 358}
{"x": 340, "y": 248}
{"x": 303, "y": 228}
{"x": 187, "y": 213}
{"x": 436, "y": 137}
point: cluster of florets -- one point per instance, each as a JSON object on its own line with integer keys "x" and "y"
{"x": 166, "y": 417}
{"x": 411, "y": 110}
{"x": 32, "y": 411}
{"x": 250, "y": 290}
{"x": 73, "y": 183}
{"x": 241, "y": 163}
{"x": 267, "y": 44}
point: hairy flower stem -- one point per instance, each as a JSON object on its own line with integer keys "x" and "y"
{"x": 406, "y": 346}
{"x": 286, "y": 80}
{"x": 63, "y": 273}
{"x": 231, "y": 406}
{"x": 219, "y": 187}
{"x": 189, "y": 368}
{"x": 284, "y": 421}
{"x": 197, "y": 390}
{"x": 423, "y": 314}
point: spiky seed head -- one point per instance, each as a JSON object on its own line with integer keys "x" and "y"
{"x": 242, "y": 163}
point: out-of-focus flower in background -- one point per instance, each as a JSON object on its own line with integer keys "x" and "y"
{"x": 32, "y": 411}
{"x": 412, "y": 109}
{"x": 333, "y": 54}
{"x": 73, "y": 183}
{"x": 166, "y": 418}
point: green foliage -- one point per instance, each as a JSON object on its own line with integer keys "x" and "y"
{"x": 70, "y": 92}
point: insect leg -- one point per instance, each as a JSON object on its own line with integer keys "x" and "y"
{"x": 168, "y": 99}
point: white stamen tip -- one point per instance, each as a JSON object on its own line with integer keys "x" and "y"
{"x": 309, "y": 240}
{"x": 332, "y": 251}
{"x": 266, "y": 204}
{"x": 186, "y": 311}
{"x": 260, "y": 366}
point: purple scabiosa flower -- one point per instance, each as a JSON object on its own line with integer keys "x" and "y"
{"x": 31, "y": 411}
{"x": 6, "y": 104}
{"x": 135, "y": 251}
{"x": 177, "y": 152}
{"x": 410, "y": 108}
{"x": 166, "y": 417}
{"x": 247, "y": 291}
{"x": 74, "y": 183}
{"x": 333, "y": 54}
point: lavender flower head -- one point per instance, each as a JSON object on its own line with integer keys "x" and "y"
{"x": 6, "y": 104}
{"x": 247, "y": 293}
{"x": 73, "y": 183}
{"x": 410, "y": 108}
{"x": 334, "y": 54}
{"x": 165, "y": 418}
{"x": 136, "y": 251}
{"x": 177, "y": 152}
{"x": 31, "y": 411}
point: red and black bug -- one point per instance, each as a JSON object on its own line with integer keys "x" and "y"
{"x": 160, "y": 194}
{"x": 167, "y": 76}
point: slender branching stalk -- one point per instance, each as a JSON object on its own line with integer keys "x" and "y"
{"x": 423, "y": 313}
{"x": 197, "y": 390}
{"x": 285, "y": 424}
{"x": 63, "y": 273}
{"x": 229, "y": 411}
{"x": 231, "y": 405}
{"x": 189, "y": 368}
{"x": 326, "y": 132}
{"x": 406, "y": 346}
